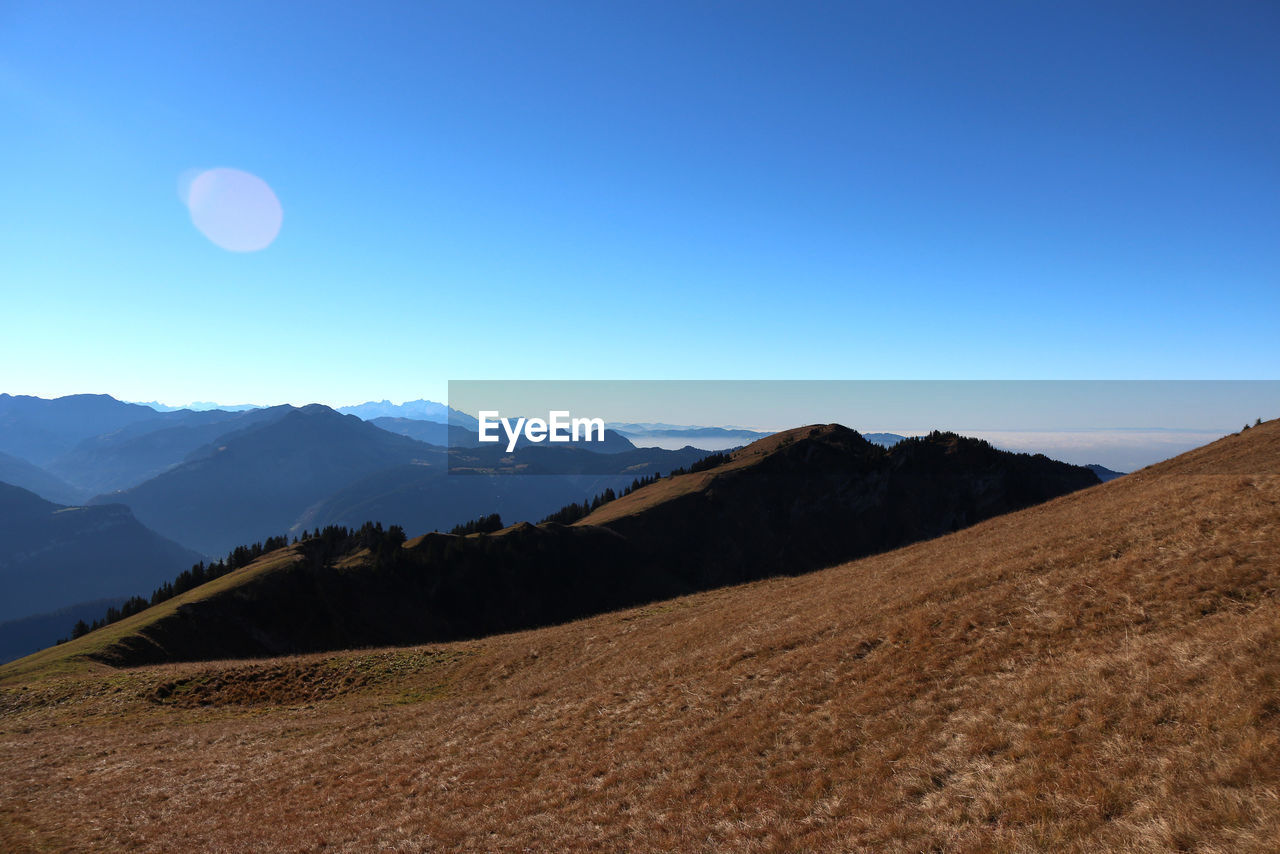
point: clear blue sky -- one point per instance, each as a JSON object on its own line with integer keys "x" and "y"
{"x": 638, "y": 190}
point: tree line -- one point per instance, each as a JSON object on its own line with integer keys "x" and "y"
{"x": 483, "y": 525}
{"x": 327, "y": 542}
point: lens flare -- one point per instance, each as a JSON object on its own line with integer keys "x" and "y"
{"x": 236, "y": 210}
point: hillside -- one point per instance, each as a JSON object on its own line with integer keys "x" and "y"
{"x": 53, "y": 556}
{"x": 18, "y": 472}
{"x": 789, "y": 503}
{"x": 1097, "y": 673}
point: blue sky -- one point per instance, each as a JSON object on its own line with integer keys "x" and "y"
{"x": 872, "y": 190}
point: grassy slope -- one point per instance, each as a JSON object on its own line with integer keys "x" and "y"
{"x": 77, "y": 656}
{"x": 1101, "y": 672}
{"x": 232, "y": 616}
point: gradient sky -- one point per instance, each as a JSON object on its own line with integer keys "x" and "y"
{"x": 852, "y": 190}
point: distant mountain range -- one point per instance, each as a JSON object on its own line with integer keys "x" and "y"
{"x": 417, "y": 410}
{"x": 143, "y": 450}
{"x": 312, "y": 466}
{"x": 200, "y": 406}
{"x": 716, "y": 438}
{"x": 40, "y": 430}
{"x": 655, "y": 430}
{"x": 657, "y": 435}
{"x": 212, "y": 480}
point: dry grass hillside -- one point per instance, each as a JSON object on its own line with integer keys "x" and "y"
{"x": 1098, "y": 673}
{"x": 809, "y": 499}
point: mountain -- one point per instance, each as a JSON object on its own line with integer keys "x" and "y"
{"x": 417, "y": 410}
{"x": 789, "y": 503}
{"x": 19, "y": 472}
{"x": 52, "y": 556}
{"x": 432, "y": 432}
{"x": 1095, "y": 673}
{"x": 278, "y": 470}
{"x": 140, "y": 451}
{"x": 807, "y": 498}
{"x": 682, "y": 429}
{"x": 39, "y": 430}
{"x": 1104, "y": 474}
{"x": 665, "y": 435}
{"x": 696, "y": 432}
{"x": 200, "y": 406}
{"x": 613, "y": 443}
{"x": 255, "y": 483}
{"x": 717, "y": 438}
{"x": 429, "y": 497}
{"x": 97, "y": 444}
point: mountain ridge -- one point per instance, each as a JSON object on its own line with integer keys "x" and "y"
{"x": 443, "y": 587}
{"x": 255, "y": 483}
{"x": 101, "y": 552}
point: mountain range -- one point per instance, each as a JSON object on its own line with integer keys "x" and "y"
{"x": 39, "y": 430}
{"x": 416, "y": 410}
{"x": 140, "y": 451}
{"x": 207, "y": 481}
{"x": 312, "y": 466}
{"x": 790, "y": 503}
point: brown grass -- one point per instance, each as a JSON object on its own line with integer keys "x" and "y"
{"x": 1100, "y": 673}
